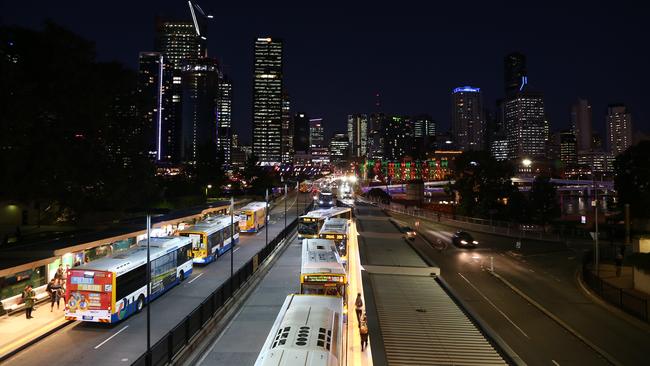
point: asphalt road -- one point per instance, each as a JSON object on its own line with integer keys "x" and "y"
{"x": 121, "y": 344}
{"x": 545, "y": 272}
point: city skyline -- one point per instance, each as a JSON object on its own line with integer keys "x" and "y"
{"x": 586, "y": 73}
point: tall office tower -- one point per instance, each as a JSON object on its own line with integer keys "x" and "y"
{"x": 581, "y": 124}
{"x": 301, "y": 132}
{"x": 287, "y": 129}
{"x": 524, "y": 125}
{"x": 376, "y": 136}
{"x": 423, "y": 126}
{"x": 568, "y": 147}
{"x": 619, "y": 128}
{"x": 224, "y": 118}
{"x": 316, "y": 133}
{"x": 267, "y": 101}
{"x": 468, "y": 122}
{"x": 177, "y": 41}
{"x": 514, "y": 73}
{"x": 358, "y": 134}
{"x": 150, "y": 90}
{"x": 399, "y": 138}
{"x": 235, "y": 140}
{"x": 200, "y": 94}
{"x": 339, "y": 148}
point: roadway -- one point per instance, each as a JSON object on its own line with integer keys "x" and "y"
{"x": 546, "y": 273}
{"x": 121, "y": 344}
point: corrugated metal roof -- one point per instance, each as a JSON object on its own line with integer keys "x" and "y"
{"x": 421, "y": 324}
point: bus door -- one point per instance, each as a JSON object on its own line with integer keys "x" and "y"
{"x": 215, "y": 242}
{"x": 197, "y": 245}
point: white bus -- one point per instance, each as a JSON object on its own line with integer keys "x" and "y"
{"x": 251, "y": 217}
{"x": 309, "y": 225}
{"x": 336, "y": 229}
{"x": 307, "y": 332}
{"x": 112, "y": 288}
{"x": 211, "y": 238}
{"x": 322, "y": 271}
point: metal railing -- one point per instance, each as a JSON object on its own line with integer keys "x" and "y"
{"x": 630, "y": 303}
{"x": 505, "y": 228}
{"x": 174, "y": 341}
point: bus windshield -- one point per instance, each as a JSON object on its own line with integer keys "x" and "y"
{"x": 308, "y": 228}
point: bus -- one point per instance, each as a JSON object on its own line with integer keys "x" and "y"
{"x": 322, "y": 271}
{"x": 251, "y": 217}
{"x": 309, "y": 225}
{"x": 110, "y": 289}
{"x": 336, "y": 229}
{"x": 307, "y": 331}
{"x": 326, "y": 199}
{"x": 211, "y": 238}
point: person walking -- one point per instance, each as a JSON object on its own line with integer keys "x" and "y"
{"x": 619, "y": 262}
{"x": 358, "y": 304}
{"x": 29, "y": 296}
{"x": 59, "y": 272}
{"x": 363, "y": 332}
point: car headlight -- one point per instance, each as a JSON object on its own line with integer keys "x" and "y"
{"x": 463, "y": 241}
{"x": 474, "y": 242}
{"x": 331, "y": 202}
{"x": 320, "y": 201}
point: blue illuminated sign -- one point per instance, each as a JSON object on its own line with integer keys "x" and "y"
{"x": 467, "y": 89}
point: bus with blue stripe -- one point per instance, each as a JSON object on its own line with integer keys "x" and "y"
{"x": 251, "y": 217}
{"x": 110, "y": 289}
{"x": 211, "y": 238}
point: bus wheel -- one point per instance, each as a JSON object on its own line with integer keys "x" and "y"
{"x": 182, "y": 276}
{"x": 140, "y": 304}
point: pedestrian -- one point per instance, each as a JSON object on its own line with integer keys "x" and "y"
{"x": 28, "y": 297}
{"x": 619, "y": 263}
{"x": 363, "y": 332}
{"x": 358, "y": 304}
{"x": 54, "y": 289}
{"x": 59, "y": 272}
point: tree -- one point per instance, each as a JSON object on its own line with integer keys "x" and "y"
{"x": 481, "y": 184}
{"x": 632, "y": 178}
{"x": 543, "y": 200}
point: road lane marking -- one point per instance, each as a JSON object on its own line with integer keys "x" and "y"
{"x": 195, "y": 278}
{"x": 494, "y": 306}
{"x": 111, "y": 337}
{"x": 236, "y": 249}
{"x": 555, "y": 363}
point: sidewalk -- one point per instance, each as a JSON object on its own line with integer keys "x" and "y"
{"x": 16, "y": 331}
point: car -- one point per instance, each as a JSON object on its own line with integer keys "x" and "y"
{"x": 463, "y": 239}
{"x": 410, "y": 233}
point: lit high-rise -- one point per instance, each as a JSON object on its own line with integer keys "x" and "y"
{"x": 224, "y": 119}
{"x": 581, "y": 125}
{"x": 358, "y": 134}
{"x": 316, "y": 133}
{"x": 525, "y": 125}
{"x": 150, "y": 90}
{"x": 267, "y": 101}
{"x": 468, "y": 123}
{"x": 514, "y": 73}
{"x": 619, "y": 128}
{"x": 287, "y": 129}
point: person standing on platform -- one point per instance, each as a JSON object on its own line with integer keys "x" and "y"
{"x": 29, "y": 296}
{"x": 358, "y": 304}
{"x": 363, "y": 332}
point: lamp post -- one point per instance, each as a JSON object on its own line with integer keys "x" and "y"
{"x": 285, "y": 206}
{"x": 209, "y": 186}
{"x": 148, "y": 291}
{"x": 266, "y": 217}
{"x": 232, "y": 232}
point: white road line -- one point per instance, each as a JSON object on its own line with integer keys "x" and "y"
{"x": 111, "y": 337}
{"x": 236, "y": 249}
{"x": 193, "y": 279}
{"x": 555, "y": 363}
{"x": 494, "y": 306}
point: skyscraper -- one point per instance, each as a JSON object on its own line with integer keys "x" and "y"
{"x": 399, "y": 138}
{"x": 619, "y": 128}
{"x": 224, "y": 118}
{"x": 200, "y": 94}
{"x": 150, "y": 89}
{"x": 376, "y": 135}
{"x": 525, "y": 125}
{"x": 267, "y": 101}
{"x": 514, "y": 73}
{"x": 339, "y": 148}
{"x": 468, "y": 123}
{"x": 178, "y": 41}
{"x": 316, "y": 133}
{"x": 301, "y": 132}
{"x": 568, "y": 148}
{"x": 581, "y": 124}
{"x": 358, "y": 134}
{"x": 424, "y": 126}
{"x": 287, "y": 129}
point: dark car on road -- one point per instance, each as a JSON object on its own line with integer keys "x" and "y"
{"x": 463, "y": 239}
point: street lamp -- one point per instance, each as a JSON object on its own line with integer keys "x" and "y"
{"x": 209, "y": 186}
{"x": 527, "y": 162}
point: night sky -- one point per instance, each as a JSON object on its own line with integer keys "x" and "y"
{"x": 338, "y": 56}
